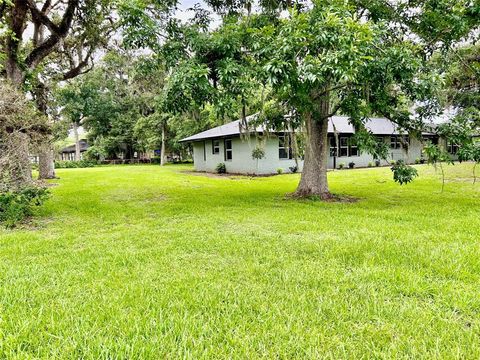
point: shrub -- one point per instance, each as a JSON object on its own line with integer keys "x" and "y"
{"x": 417, "y": 161}
{"x": 370, "y": 164}
{"x": 293, "y": 169}
{"x": 15, "y": 206}
{"x": 221, "y": 168}
{"x": 377, "y": 163}
{"x": 75, "y": 164}
{"x": 341, "y": 166}
{"x": 95, "y": 152}
{"x": 279, "y": 171}
{"x": 351, "y": 165}
{"x": 392, "y": 162}
{"x": 156, "y": 160}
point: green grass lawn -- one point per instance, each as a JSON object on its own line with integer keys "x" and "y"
{"x": 149, "y": 262}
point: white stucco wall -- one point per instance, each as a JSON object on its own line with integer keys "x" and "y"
{"x": 242, "y": 162}
{"x": 414, "y": 152}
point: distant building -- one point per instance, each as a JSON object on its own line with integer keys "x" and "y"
{"x": 228, "y": 144}
{"x": 68, "y": 153}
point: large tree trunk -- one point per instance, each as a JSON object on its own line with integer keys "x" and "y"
{"x": 313, "y": 181}
{"x": 46, "y": 153}
{"x": 15, "y": 166}
{"x": 46, "y": 163}
{"x": 77, "y": 141}
{"x": 162, "y": 150}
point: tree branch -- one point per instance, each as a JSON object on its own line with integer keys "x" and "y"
{"x": 3, "y": 6}
{"x": 40, "y": 17}
{"x": 335, "y": 109}
{"x": 77, "y": 70}
{"x": 44, "y": 49}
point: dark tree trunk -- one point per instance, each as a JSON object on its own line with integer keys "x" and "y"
{"x": 313, "y": 181}
{"x": 77, "y": 141}
{"x": 16, "y": 23}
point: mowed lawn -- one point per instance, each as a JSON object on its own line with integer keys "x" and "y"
{"x": 143, "y": 262}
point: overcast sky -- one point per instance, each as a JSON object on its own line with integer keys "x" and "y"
{"x": 183, "y": 14}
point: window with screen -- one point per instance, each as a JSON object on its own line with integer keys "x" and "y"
{"x": 228, "y": 149}
{"x": 343, "y": 148}
{"x": 452, "y": 148}
{"x": 284, "y": 148}
{"x": 353, "y": 149}
{"x": 333, "y": 146}
{"x": 395, "y": 142}
{"x": 215, "y": 147}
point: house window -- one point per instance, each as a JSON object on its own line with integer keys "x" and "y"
{"x": 284, "y": 150}
{"x": 354, "y": 149}
{"x": 395, "y": 142}
{"x": 204, "y": 151}
{"x": 228, "y": 149}
{"x": 343, "y": 146}
{"x": 399, "y": 142}
{"x": 333, "y": 146}
{"x": 452, "y": 148}
{"x": 215, "y": 147}
{"x": 432, "y": 139}
{"x": 347, "y": 147}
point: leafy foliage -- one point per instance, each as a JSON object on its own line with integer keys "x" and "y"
{"x": 436, "y": 156}
{"x": 15, "y": 206}
{"x": 258, "y": 153}
{"x": 221, "y": 168}
{"x": 75, "y": 164}
{"x": 402, "y": 173}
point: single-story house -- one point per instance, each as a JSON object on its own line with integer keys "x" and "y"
{"x": 230, "y": 145}
{"x": 68, "y": 153}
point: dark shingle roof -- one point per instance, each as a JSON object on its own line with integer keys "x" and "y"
{"x": 71, "y": 148}
{"x": 378, "y": 126}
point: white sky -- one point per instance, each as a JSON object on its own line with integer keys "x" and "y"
{"x": 185, "y": 15}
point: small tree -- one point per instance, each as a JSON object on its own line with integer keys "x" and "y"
{"x": 257, "y": 154}
{"x": 470, "y": 152}
{"x": 461, "y": 131}
{"x": 436, "y": 157}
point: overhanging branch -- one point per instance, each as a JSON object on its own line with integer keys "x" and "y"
{"x": 40, "y": 16}
{"x": 59, "y": 32}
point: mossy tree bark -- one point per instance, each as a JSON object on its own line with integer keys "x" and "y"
{"x": 46, "y": 152}
{"x": 15, "y": 167}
